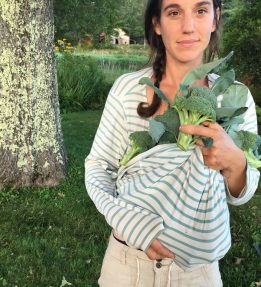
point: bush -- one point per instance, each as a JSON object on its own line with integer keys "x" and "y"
{"x": 81, "y": 84}
{"x": 242, "y": 35}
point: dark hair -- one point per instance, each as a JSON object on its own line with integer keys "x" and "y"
{"x": 158, "y": 53}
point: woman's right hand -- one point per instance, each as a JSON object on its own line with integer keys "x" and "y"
{"x": 157, "y": 251}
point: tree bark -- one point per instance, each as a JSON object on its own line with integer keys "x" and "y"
{"x": 31, "y": 144}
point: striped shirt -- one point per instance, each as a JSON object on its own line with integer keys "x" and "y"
{"x": 164, "y": 193}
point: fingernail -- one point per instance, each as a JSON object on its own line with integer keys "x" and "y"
{"x": 180, "y": 127}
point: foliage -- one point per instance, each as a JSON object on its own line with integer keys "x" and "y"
{"x": 81, "y": 84}
{"x": 130, "y": 17}
{"x": 242, "y": 34}
{"x": 76, "y": 19}
{"x": 63, "y": 46}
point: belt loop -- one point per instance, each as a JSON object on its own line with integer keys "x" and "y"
{"x": 123, "y": 254}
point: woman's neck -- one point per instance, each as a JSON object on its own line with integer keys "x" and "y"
{"x": 176, "y": 71}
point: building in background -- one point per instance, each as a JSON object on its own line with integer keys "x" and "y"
{"x": 121, "y": 37}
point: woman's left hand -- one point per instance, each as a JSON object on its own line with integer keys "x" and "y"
{"x": 223, "y": 155}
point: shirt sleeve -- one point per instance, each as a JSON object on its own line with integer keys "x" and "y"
{"x": 252, "y": 174}
{"x": 101, "y": 167}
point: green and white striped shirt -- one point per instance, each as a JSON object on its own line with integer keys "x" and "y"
{"x": 164, "y": 193}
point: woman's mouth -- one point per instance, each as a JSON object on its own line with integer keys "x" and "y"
{"x": 187, "y": 43}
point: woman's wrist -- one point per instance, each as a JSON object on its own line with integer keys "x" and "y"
{"x": 235, "y": 174}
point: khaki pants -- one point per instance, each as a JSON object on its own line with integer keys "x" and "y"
{"x": 124, "y": 266}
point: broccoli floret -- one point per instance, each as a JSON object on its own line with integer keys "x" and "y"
{"x": 199, "y": 106}
{"x": 141, "y": 141}
{"x": 250, "y": 143}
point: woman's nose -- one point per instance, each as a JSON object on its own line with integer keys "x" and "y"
{"x": 188, "y": 24}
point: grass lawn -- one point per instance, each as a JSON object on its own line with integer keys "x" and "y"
{"x": 51, "y": 234}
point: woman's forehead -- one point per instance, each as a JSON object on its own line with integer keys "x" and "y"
{"x": 185, "y": 3}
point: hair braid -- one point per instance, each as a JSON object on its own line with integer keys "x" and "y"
{"x": 159, "y": 65}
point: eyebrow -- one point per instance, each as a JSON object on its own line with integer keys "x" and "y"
{"x": 174, "y": 5}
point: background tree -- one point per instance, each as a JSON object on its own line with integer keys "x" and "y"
{"x": 31, "y": 144}
{"x": 242, "y": 34}
{"x": 76, "y": 18}
{"x": 130, "y": 17}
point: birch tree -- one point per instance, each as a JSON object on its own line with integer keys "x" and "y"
{"x": 31, "y": 143}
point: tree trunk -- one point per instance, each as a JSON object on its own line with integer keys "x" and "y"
{"x": 31, "y": 143}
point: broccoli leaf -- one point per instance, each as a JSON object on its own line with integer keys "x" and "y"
{"x": 156, "y": 129}
{"x": 168, "y": 137}
{"x": 201, "y": 71}
{"x": 232, "y": 121}
{"x": 147, "y": 81}
{"x": 230, "y": 112}
{"x": 223, "y": 82}
{"x": 235, "y": 96}
{"x": 171, "y": 120}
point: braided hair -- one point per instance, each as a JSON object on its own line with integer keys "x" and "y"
{"x": 158, "y": 51}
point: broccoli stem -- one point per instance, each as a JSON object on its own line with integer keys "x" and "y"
{"x": 129, "y": 155}
{"x": 184, "y": 141}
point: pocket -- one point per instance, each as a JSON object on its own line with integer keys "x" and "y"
{"x": 115, "y": 273}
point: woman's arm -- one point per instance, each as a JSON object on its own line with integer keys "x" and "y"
{"x": 241, "y": 179}
{"x": 101, "y": 167}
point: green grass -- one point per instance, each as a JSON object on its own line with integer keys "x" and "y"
{"x": 50, "y": 233}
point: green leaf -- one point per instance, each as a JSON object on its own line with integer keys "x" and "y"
{"x": 168, "y": 137}
{"x": 229, "y": 112}
{"x": 147, "y": 81}
{"x": 171, "y": 120}
{"x": 232, "y": 121}
{"x": 234, "y": 135}
{"x": 223, "y": 82}
{"x": 235, "y": 96}
{"x": 156, "y": 129}
{"x": 201, "y": 71}
{"x": 240, "y": 111}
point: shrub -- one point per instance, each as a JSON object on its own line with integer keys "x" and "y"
{"x": 81, "y": 84}
{"x": 242, "y": 35}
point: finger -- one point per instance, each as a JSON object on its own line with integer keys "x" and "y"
{"x": 198, "y": 130}
{"x": 212, "y": 125}
{"x": 163, "y": 251}
{"x": 153, "y": 255}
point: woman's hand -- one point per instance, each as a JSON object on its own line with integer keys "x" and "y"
{"x": 223, "y": 155}
{"x": 157, "y": 251}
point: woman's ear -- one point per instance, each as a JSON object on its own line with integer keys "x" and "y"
{"x": 216, "y": 20}
{"x": 156, "y": 26}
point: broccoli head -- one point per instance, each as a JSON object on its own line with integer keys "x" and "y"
{"x": 200, "y": 105}
{"x": 141, "y": 141}
{"x": 250, "y": 144}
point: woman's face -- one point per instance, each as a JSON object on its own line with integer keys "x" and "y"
{"x": 185, "y": 27}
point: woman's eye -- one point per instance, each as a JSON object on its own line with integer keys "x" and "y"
{"x": 202, "y": 11}
{"x": 173, "y": 13}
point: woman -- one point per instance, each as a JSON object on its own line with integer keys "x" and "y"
{"x": 170, "y": 219}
